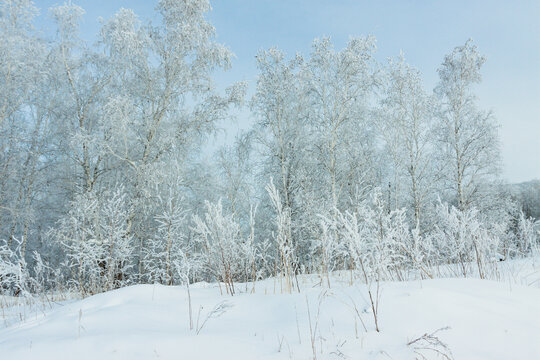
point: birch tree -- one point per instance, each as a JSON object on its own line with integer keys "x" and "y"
{"x": 280, "y": 104}
{"x": 84, "y": 77}
{"x": 467, "y": 136}
{"x": 340, "y": 84}
{"x": 27, "y": 88}
{"x": 165, "y": 101}
{"x": 407, "y": 130}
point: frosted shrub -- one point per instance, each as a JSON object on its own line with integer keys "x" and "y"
{"x": 15, "y": 277}
{"x": 12, "y": 271}
{"x": 328, "y": 248}
{"x": 165, "y": 254}
{"x": 250, "y": 252}
{"x": 286, "y": 258}
{"x": 43, "y": 275}
{"x": 116, "y": 239}
{"x": 462, "y": 239}
{"x": 526, "y": 234}
{"x": 94, "y": 234}
{"x": 376, "y": 239}
{"x": 219, "y": 235}
{"x": 421, "y": 252}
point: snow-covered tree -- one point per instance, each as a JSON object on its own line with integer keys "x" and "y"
{"x": 104, "y": 181}
{"x": 236, "y": 178}
{"x": 340, "y": 85}
{"x": 280, "y": 106}
{"x": 164, "y": 101}
{"x": 83, "y": 77}
{"x": 467, "y": 137}
{"x": 406, "y": 129}
{"x": 25, "y": 108}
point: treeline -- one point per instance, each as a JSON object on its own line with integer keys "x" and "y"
{"x": 350, "y": 164}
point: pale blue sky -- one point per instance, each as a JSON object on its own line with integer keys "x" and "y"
{"x": 507, "y": 32}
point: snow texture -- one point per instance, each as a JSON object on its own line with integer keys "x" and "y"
{"x": 486, "y": 319}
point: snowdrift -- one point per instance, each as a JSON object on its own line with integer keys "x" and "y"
{"x": 478, "y": 319}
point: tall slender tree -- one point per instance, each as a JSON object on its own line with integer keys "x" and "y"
{"x": 467, "y": 136}
{"x": 407, "y": 130}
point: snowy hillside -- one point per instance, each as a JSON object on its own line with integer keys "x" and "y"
{"x": 323, "y": 200}
{"x": 484, "y": 320}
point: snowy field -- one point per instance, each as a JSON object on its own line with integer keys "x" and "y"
{"x": 478, "y": 319}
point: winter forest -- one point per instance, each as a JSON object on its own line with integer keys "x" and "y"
{"x": 351, "y": 166}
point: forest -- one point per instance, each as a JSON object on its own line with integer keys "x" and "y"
{"x": 350, "y": 164}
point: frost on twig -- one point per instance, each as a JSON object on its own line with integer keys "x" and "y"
{"x": 218, "y": 310}
{"x": 430, "y": 343}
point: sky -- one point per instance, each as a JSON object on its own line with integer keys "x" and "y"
{"x": 506, "y": 32}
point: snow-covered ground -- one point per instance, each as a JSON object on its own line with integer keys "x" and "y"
{"x": 484, "y": 320}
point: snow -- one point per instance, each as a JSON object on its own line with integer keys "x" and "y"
{"x": 486, "y": 319}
